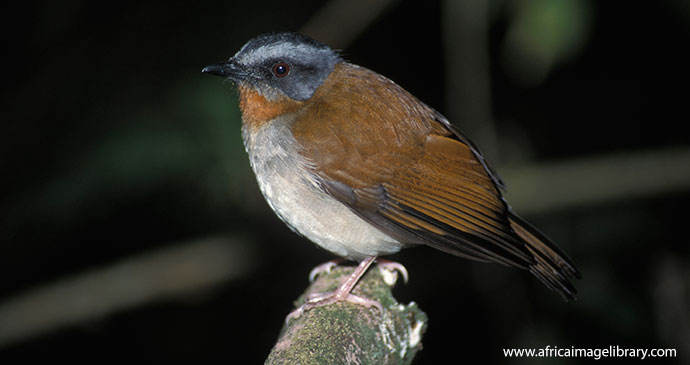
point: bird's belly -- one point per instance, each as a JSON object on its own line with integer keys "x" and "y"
{"x": 297, "y": 199}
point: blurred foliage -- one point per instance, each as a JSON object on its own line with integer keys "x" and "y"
{"x": 542, "y": 34}
{"x": 185, "y": 139}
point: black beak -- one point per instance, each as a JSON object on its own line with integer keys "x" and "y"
{"x": 231, "y": 69}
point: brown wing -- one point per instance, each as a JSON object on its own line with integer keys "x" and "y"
{"x": 444, "y": 198}
{"x": 400, "y": 166}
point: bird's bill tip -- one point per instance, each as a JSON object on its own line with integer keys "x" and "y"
{"x": 230, "y": 69}
{"x": 215, "y": 69}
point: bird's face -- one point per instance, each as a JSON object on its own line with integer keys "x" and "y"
{"x": 287, "y": 65}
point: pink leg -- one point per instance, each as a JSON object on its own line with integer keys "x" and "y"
{"x": 343, "y": 293}
{"x": 349, "y": 284}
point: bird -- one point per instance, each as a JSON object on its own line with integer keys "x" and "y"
{"x": 358, "y": 165}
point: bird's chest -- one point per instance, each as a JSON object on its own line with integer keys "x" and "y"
{"x": 294, "y": 194}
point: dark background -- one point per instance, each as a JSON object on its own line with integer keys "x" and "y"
{"x": 113, "y": 145}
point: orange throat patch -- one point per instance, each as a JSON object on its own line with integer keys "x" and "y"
{"x": 257, "y": 110}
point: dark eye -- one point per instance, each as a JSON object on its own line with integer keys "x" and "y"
{"x": 281, "y": 69}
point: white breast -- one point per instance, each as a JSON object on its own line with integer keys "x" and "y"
{"x": 300, "y": 202}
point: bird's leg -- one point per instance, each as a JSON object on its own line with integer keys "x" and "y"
{"x": 342, "y": 294}
{"x": 349, "y": 284}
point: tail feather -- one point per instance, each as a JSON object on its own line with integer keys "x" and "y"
{"x": 551, "y": 265}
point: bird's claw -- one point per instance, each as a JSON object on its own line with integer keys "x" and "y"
{"x": 393, "y": 266}
{"x": 325, "y": 267}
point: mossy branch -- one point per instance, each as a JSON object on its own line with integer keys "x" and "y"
{"x": 346, "y": 333}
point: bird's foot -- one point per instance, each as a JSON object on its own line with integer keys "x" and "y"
{"x": 342, "y": 294}
{"x": 389, "y": 265}
{"x": 315, "y": 300}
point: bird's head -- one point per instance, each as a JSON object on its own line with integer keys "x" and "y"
{"x": 279, "y": 65}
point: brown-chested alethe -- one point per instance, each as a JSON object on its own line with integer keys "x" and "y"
{"x": 362, "y": 168}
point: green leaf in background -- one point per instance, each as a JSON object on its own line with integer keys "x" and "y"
{"x": 542, "y": 34}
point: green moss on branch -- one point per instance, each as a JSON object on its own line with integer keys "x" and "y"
{"x": 346, "y": 333}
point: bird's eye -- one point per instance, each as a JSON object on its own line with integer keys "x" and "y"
{"x": 281, "y": 69}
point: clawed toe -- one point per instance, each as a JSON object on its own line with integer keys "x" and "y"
{"x": 326, "y": 267}
{"x": 394, "y": 266}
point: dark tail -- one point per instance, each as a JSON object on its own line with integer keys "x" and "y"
{"x": 552, "y": 266}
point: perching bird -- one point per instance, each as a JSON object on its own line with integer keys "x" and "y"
{"x": 358, "y": 165}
